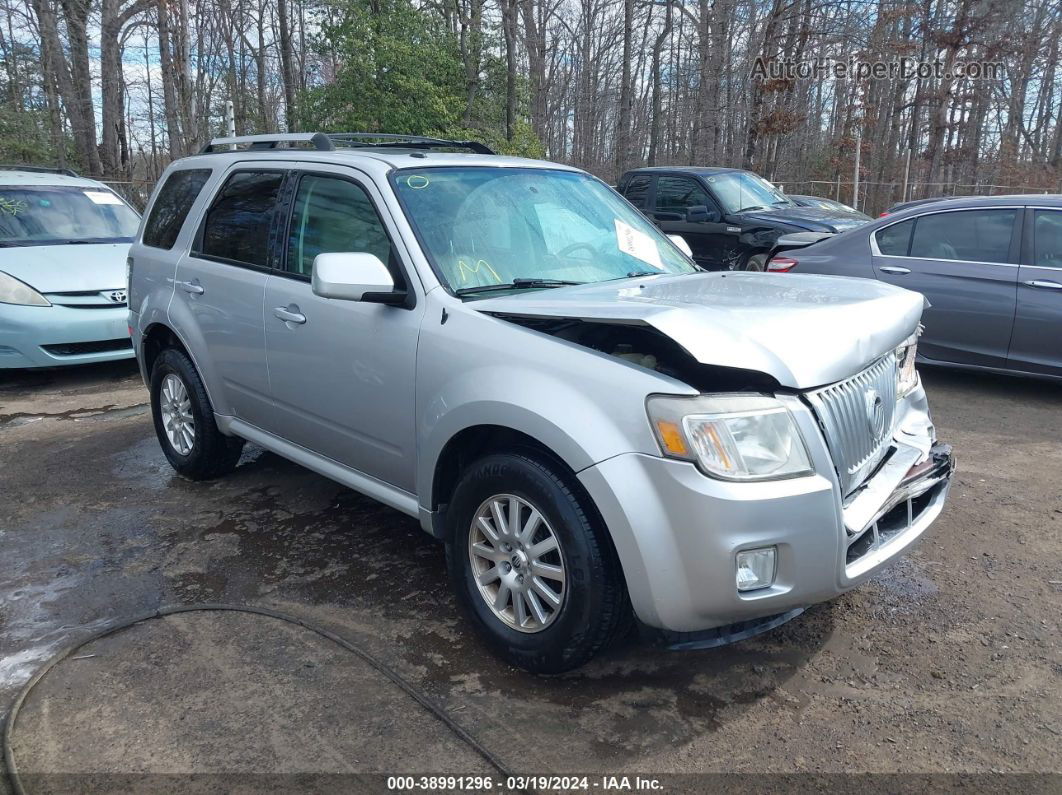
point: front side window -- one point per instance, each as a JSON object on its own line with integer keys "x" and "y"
{"x": 175, "y": 199}
{"x": 743, "y": 190}
{"x": 895, "y": 240}
{"x": 332, "y": 215}
{"x": 487, "y": 225}
{"x": 968, "y": 235}
{"x": 238, "y": 223}
{"x": 678, "y": 194}
{"x": 62, "y": 215}
{"x": 1047, "y": 238}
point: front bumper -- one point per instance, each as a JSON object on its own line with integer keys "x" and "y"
{"x": 678, "y": 532}
{"x": 54, "y": 336}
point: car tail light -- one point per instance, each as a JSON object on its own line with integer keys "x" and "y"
{"x": 781, "y": 264}
{"x": 882, "y": 215}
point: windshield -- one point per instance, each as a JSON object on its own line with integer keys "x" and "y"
{"x": 742, "y": 190}
{"x": 484, "y": 226}
{"x": 43, "y": 216}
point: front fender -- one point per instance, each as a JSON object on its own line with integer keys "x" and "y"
{"x": 479, "y": 370}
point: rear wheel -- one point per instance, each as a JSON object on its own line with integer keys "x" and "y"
{"x": 184, "y": 420}
{"x": 531, "y": 564}
{"x": 757, "y": 263}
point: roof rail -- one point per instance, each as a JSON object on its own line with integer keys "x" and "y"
{"x": 390, "y": 140}
{"x": 319, "y": 141}
{"x": 327, "y": 142}
{"x": 39, "y": 169}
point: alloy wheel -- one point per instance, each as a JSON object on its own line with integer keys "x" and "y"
{"x": 517, "y": 563}
{"x": 176, "y": 407}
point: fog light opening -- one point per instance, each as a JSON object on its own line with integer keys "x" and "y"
{"x": 755, "y": 568}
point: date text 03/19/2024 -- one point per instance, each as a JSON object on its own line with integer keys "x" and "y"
{"x": 606, "y": 783}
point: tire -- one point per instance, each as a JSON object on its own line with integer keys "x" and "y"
{"x": 209, "y": 453}
{"x": 757, "y": 264}
{"x": 593, "y": 603}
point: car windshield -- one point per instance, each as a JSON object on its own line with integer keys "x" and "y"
{"x": 529, "y": 228}
{"x": 743, "y": 190}
{"x": 49, "y": 216}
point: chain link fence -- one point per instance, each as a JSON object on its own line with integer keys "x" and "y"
{"x": 875, "y": 197}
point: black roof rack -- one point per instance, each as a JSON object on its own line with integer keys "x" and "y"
{"x": 39, "y": 169}
{"x": 328, "y": 142}
{"x": 386, "y": 140}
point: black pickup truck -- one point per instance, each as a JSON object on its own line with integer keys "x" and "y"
{"x": 731, "y": 218}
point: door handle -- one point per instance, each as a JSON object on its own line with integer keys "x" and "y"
{"x": 193, "y": 287}
{"x": 288, "y": 315}
{"x": 894, "y": 269}
{"x": 1043, "y": 284}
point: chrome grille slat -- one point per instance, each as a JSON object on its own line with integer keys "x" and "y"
{"x": 843, "y": 414}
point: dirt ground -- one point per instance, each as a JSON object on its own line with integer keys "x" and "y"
{"x": 946, "y": 663}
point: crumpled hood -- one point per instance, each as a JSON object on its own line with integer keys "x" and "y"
{"x": 64, "y": 269}
{"x": 813, "y": 219}
{"x": 804, "y": 330}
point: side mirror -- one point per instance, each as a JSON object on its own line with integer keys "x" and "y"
{"x": 680, "y": 241}
{"x": 699, "y": 213}
{"x": 354, "y": 276}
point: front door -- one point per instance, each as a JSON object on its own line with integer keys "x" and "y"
{"x": 965, "y": 263}
{"x": 342, "y": 372}
{"x": 219, "y": 291}
{"x": 709, "y": 240}
{"x": 1036, "y": 346}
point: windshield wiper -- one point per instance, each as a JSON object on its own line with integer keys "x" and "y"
{"x": 757, "y": 207}
{"x": 515, "y": 284}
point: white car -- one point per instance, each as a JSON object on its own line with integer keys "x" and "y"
{"x": 63, "y": 246}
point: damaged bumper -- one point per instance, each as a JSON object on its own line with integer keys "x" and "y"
{"x": 678, "y": 532}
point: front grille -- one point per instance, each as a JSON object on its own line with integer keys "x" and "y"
{"x": 856, "y": 433}
{"x": 897, "y": 520}
{"x": 80, "y": 348}
{"x": 89, "y": 299}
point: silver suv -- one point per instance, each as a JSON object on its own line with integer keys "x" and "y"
{"x": 510, "y": 352}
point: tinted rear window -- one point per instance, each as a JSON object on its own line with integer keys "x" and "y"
{"x": 238, "y": 222}
{"x": 176, "y": 198}
{"x": 971, "y": 235}
{"x": 893, "y": 241}
{"x": 637, "y": 191}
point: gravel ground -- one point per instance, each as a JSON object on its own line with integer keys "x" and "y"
{"x": 947, "y": 662}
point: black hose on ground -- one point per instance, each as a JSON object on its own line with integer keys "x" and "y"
{"x": 382, "y": 667}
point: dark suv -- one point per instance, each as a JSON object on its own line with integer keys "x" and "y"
{"x": 730, "y": 218}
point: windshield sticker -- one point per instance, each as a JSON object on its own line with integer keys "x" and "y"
{"x": 417, "y": 181}
{"x": 467, "y": 273}
{"x": 638, "y": 244}
{"x": 102, "y": 197}
{"x": 11, "y": 206}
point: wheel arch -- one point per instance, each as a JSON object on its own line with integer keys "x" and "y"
{"x": 161, "y": 336}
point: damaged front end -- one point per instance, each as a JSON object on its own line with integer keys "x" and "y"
{"x": 643, "y": 346}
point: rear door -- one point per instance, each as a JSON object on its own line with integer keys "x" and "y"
{"x": 672, "y": 199}
{"x": 220, "y": 289}
{"x": 1036, "y": 346}
{"x": 342, "y": 373}
{"x": 965, "y": 263}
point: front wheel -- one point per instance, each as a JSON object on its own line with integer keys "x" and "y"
{"x": 532, "y": 565}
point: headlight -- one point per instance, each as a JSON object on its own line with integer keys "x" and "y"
{"x": 905, "y": 358}
{"x": 732, "y": 437}
{"x": 12, "y": 291}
